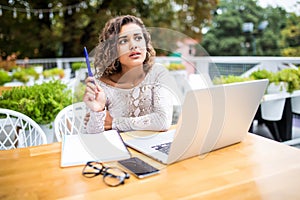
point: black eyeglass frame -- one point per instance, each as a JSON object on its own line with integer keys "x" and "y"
{"x": 104, "y": 171}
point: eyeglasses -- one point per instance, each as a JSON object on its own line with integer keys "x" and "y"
{"x": 112, "y": 176}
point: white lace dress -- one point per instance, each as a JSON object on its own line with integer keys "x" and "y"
{"x": 147, "y": 106}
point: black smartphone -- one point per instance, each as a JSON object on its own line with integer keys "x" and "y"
{"x": 138, "y": 167}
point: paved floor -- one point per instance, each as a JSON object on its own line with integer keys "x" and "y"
{"x": 264, "y": 131}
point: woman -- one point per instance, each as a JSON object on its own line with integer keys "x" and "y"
{"x": 129, "y": 91}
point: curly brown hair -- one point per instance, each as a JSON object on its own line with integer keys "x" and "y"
{"x": 106, "y": 54}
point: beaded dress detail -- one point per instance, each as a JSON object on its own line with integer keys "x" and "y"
{"x": 147, "y": 106}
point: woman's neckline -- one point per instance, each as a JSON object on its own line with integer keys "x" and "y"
{"x": 124, "y": 86}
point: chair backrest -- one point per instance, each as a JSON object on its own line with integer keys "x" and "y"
{"x": 70, "y": 120}
{"x": 18, "y": 130}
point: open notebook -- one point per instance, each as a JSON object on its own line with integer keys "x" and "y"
{"x": 103, "y": 147}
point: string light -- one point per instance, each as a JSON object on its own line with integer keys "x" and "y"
{"x": 61, "y": 13}
{"x": 41, "y": 15}
{"x": 40, "y": 12}
{"x": 69, "y": 11}
{"x": 15, "y": 13}
{"x": 28, "y": 14}
{"x": 51, "y": 14}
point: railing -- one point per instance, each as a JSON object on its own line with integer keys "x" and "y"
{"x": 224, "y": 65}
{"x": 206, "y": 65}
{"x": 64, "y": 63}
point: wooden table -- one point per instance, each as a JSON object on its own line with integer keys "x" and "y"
{"x": 257, "y": 168}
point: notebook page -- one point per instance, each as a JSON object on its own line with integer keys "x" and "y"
{"x": 103, "y": 147}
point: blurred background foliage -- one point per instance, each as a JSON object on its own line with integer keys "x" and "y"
{"x": 274, "y": 32}
{"x": 216, "y": 24}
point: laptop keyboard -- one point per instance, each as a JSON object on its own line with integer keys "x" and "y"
{"x": 164, "y": 147}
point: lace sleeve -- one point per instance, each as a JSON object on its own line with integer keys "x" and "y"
{"x": 96, "y": 122}
{"x": 158, "y": 120}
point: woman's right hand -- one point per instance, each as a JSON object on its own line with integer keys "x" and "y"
{"x": 94, "y": 96}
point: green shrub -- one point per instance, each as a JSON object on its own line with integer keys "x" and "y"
{"x": 230, "y": 79}
{"x": 78, "y": 65}
{"x": 49, "y": 73}
{"x": 40, "y": 102}
{"x": 175, "y": 66}
{"x": 290, "y": 76}
{"x": 4, "y": 77}
{"x": 263, "y": 74}
{"x": 24, "y": 74}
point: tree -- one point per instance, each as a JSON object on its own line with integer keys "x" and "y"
{"x": 226, "y": 36}
{"x": 69, "y": 29}
{"x": 34, "y": 36}
{"x": 193, "y": 15}
{"x": 290, "y": 41}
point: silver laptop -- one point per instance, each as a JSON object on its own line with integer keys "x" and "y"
{"x": 211, "y": 118}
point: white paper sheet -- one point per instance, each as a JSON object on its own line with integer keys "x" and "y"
{"x": 103, "y": 147}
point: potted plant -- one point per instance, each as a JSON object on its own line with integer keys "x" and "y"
{"x": 54, "y": 72}
{"x": 229, "y": 79}
{"x": 25, "y": 75}
{"x": 275, "y": 85}
{"x": 4, "y": 77}
{"x": 271, "y": 110}
{"x": 292, "y": 77}
{"x": 77, "y": 65}
{"x": 79, "y": 68}
{"x": 40, "y": 102}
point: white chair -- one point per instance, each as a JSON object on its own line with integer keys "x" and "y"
{"x": 18, "y": 130}
{"x": 70, "y": 120}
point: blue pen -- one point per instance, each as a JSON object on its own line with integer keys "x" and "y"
{"x": 90, "y": 73}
